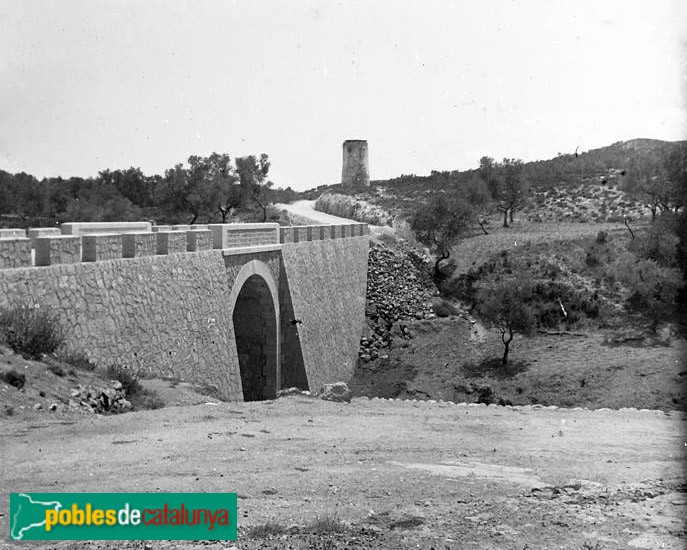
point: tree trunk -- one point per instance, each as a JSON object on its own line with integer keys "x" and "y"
{"x": 481, "y": 225}
{"x": 511, "y": 215}
{"x": 506, "y": 347}
{"x": 505, "y": 218}
{"x": 436, "y": 276}
{"x": 195, "y": 217}
{"x": 225, "y": 213}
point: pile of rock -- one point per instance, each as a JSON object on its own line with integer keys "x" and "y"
{"x": 100, "y": 399}
{"x": 399, "y": 289}
{"x": 338, "y": 392}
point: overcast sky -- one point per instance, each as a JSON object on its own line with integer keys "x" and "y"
{"x": 91, "y": 84}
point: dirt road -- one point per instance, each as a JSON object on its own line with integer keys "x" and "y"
{"x": 306, "y": 209}
{"x": 397, "y": 474}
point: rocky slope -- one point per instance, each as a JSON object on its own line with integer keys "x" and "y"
{"x": 399, "y": 290}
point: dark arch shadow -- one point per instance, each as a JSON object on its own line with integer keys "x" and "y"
{"x": 292, "y": 366}
{"x": 255, "y": 330}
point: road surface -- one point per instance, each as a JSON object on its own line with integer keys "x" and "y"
{"x": 306, "y": 209}
{"x": 397, "y": 474}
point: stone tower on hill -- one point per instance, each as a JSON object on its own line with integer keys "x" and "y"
{"x": 356, "y": 164}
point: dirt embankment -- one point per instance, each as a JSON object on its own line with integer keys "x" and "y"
{"x": 346, "y": 206}
{"x": 410, "y": 353}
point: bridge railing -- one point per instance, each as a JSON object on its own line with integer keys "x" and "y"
{"x": 102, "y": 241}
{"x": 300, "y": 233}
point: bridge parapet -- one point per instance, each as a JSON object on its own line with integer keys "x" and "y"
{"x": 15, "y": 252}
{"x": 233, "y": 235}
{"x": 88, "y": 228}
{"x": 34, "y": 232}
{"x": 12, "y": 233}
{"x": 60, "y": 249}
{"x": 301, "y": 233}
{"x": 97, "y": 242}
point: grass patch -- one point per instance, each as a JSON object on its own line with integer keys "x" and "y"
{"x": 326, "y": 525}
{"x": 410, "y": 522}
{"x": 492, "y": 367}
{"x": 14, "y": 378}
{"x": 266, "y": 530}
{"x": 30, "y": 330}
{"x": 141, "y": 398}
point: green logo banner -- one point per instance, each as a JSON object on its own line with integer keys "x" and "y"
{"x": 123, "y": 516}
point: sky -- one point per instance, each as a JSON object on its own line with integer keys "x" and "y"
{"x": 87, "y": 85}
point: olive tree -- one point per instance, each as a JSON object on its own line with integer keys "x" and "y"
{"x": 439, "y": 224}
{"x": 505, "y": 307}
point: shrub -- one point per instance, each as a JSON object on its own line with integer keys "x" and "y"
{"x": 14, "y": 378}
{"x": 56, "y": 370}
{"x": 146, "y": 399}
{"x": 30, "y": 330}
{"x": 141, "y": 398}
{"x": 78, "y": 360}
{"x": 264, "y": 530}
{"x": 658, "y": 243}
{"x": 326, "y": 525}
{"x": 128, "y": 379}
{"x": 652, "y": 288}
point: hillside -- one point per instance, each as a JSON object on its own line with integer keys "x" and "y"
{"x": 556, "y": 183}
{"x": 600, "y": 354}
{"x": 567, "y": 169}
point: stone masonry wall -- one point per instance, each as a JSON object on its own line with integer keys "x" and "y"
{"x": 327, "y": 281}
{"x": 165, "y": 315}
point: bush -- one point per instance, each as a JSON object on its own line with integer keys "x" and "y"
{"x": 141, "y": 398}
{"x": 652, "y": 288}
{"x": 265, "y": 530}
{"x": 78, "y": 360}
{"x": 56, "y": 370}
{"x": 326, "y": 525}
{"x": 30, "y": 330}
{"x": 14, "y": 378}
{"x": 128, "y": 379}
{"x": 658, "y": 243}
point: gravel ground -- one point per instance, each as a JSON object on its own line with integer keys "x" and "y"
{"x": 384, "y": 474}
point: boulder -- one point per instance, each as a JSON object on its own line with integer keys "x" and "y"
{"x": 337, "y": 392}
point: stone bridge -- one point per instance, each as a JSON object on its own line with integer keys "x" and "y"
{"x": 246, "y": 309}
